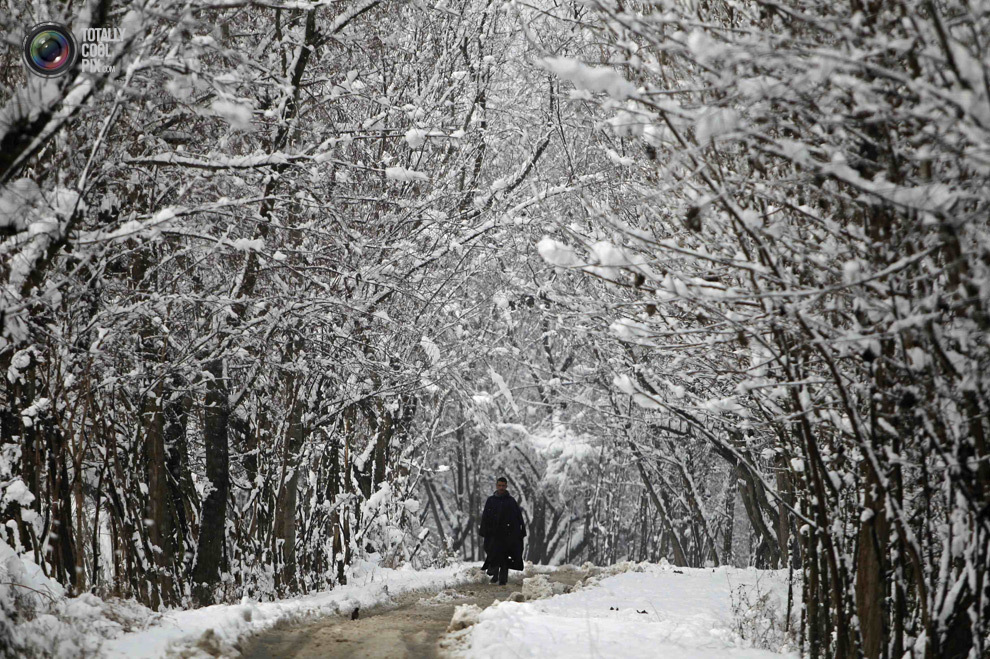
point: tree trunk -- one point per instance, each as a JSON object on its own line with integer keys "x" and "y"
{"x": 212, "y": 530}
{"x": 870, "y": 572}
{"x": 285, "y": 508}
{"x": 62, "y": 546}
{"x": 679, "y": 558}
{"x": 181, "y": 492}
{"x": 160, "y": 527}
{"x": 751, "y": 496}
{"x": 730, "y": 516}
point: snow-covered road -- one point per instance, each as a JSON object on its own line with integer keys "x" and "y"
{"x": 625, "y": 611}
{"x": 220, "y": 630}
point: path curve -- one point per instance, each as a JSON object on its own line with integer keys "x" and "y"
{"x": 411, "y": 626}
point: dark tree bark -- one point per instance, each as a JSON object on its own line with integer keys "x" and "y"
{"x": 730, "y": 515}
{"x": 11, "y": 431}
{"x": 285, "y": 507}
{"x": 663, "y": 509}
{"x": 181, "y": 492}
{"x": 870, "y": 572}
{"x": 158, "y": 496}
{"x": 213, "y": 522}
{"x": 62, "y": 545}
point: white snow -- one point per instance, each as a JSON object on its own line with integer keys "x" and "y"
{"x": 623, "y": 161}
{"x": 628, "y": 329}
{"x": 624, "y": 383}
{"x": 465, "y": 615}
{"x": 415, "y": 137}
{"x": 565, "y": 453}
{"x": 248, "y": 244}
{"x": 537, "y": 587}
{"x": 16, "y": 203}
{"x": 431, "y": 349}
{"x": 609, "y": 255}
{"x": 592, "y": 78}
{"x": 715, "y": 123}
{"x": 26, "y": 574}
{"x": 404, "y": 175}
{"x": 557, "y": 253}
{"x": 16, "y": 491}
{"x": 378, "y": 498}
{"x": 503, "y": 388}
{"x": 658, "y": 612}
{"x": 238, "y": 115}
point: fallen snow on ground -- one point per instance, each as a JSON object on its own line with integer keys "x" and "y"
{"x": 443, "y": 598}
{"x": 217, "y": 630}
{"x": 650, "y": 611}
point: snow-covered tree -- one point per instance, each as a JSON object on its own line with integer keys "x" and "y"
{"x": 804, "y": 229}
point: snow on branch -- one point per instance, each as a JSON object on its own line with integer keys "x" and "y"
{"x": 591, "y": 78}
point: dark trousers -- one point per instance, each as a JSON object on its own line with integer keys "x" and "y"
{"x": 500, "y": 570}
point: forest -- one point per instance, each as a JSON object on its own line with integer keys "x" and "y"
{"x": 707, "y": 280}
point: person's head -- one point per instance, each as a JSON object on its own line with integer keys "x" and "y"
{"x": 501, "y": 485}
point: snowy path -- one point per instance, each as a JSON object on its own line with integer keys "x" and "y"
{"x": 223, "y": 630}
{"x": 409, "y": 627}
{"x": 657, "y": 613}
{"x": 625, "y": 611}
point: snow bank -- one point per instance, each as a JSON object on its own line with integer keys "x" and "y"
{"x": 630, "y": 610}
{"x": 537, "y": 587}
{"x": 464, "y": 616}
{"x": 37, "y": 620}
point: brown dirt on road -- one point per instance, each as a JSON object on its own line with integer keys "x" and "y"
{"x": 411, "y": 626}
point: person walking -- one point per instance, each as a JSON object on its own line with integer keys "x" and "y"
{"x": 503, "y": 530}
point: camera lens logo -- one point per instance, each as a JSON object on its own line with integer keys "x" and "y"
{"x": 49, "y": 49}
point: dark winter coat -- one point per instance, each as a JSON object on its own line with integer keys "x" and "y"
{"x": 503, "y": 529}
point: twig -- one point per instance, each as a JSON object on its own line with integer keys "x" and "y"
{"x": 20, "y": 585}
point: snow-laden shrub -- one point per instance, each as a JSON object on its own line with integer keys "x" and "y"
{"x": 432, "y": 550}
{"x": 390, "y": 531}
{"x": 38, "y": 620}
{"x": 10, "y": 645}
{"x": 760, "y": 618}
{"x": 25, "y": 596}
